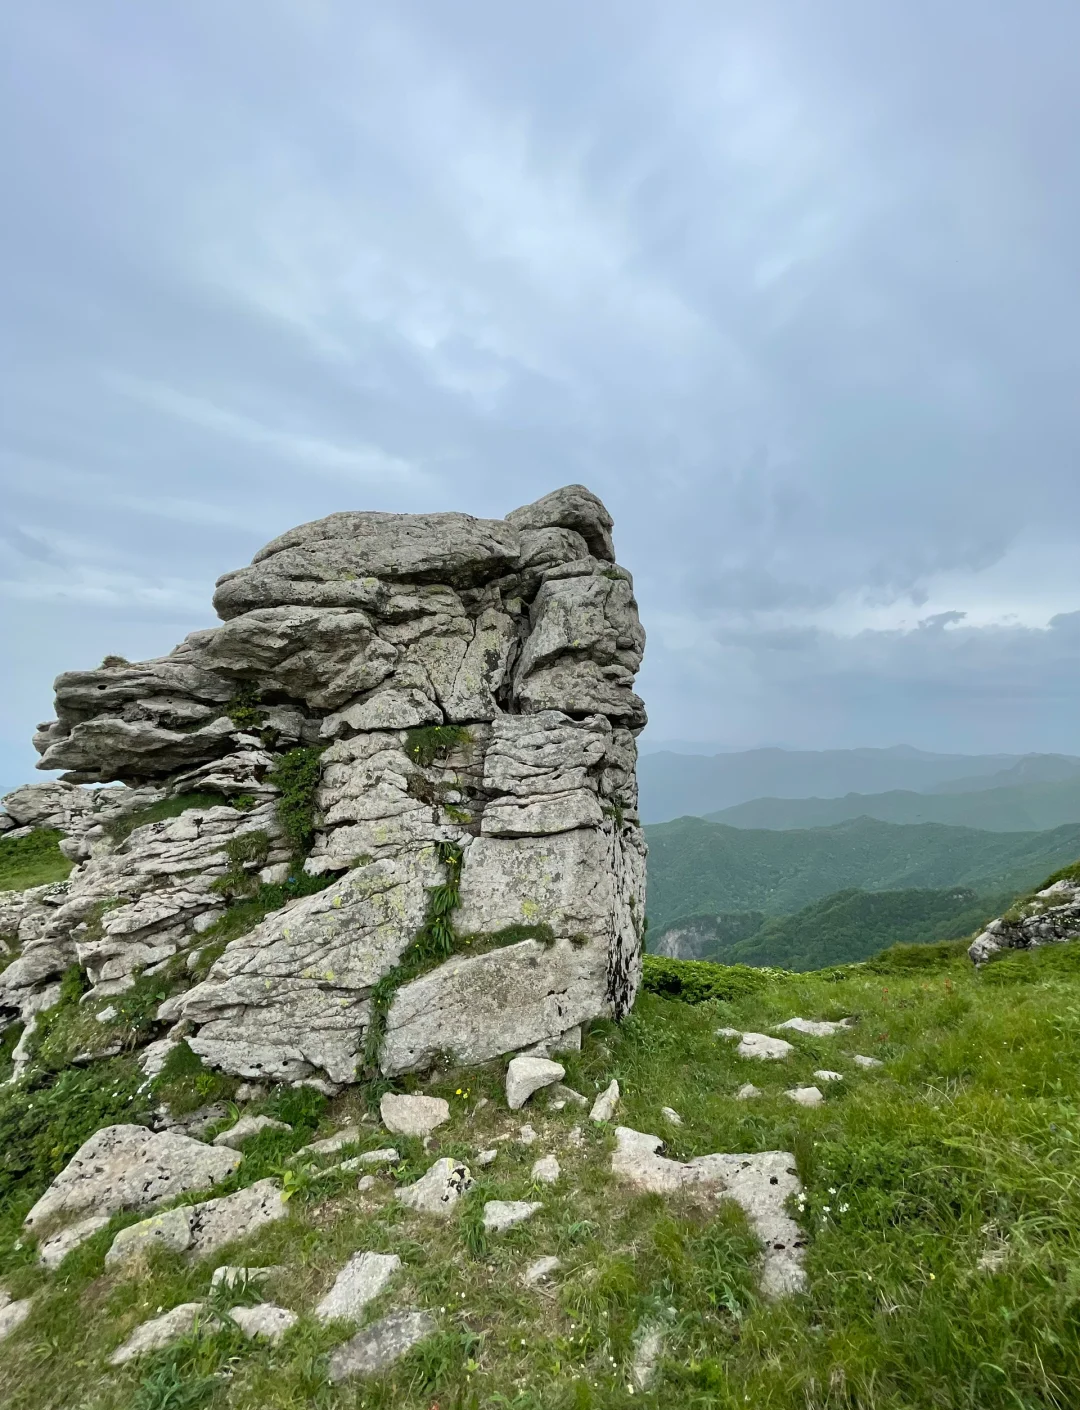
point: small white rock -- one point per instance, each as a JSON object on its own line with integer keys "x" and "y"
{"x": 805, "y": 1096}
{"x": 670, "y": 1114}
{"x": 825, "y": 1074}
{"x": 160, "y": 1332}
{"x": 231, "y": 1274}
{"x": 603, "y": 1109}
{"x": 361, "y": 1281}
{"x": 760, "y": 1045}
{"x": 107, "y": 1014}
{"x": 438, "y": 1191}
{"x": 546, "y": 1170}
{"x": 729, "y": 1032}
{"x": 540, "y": 1270}
{"x": 347, "y": 1136}
{"x": 526, "y": 1075}
{"x": 365, "y": 1183}
{"x": 817, "y": 1028}
{"x": 860, "y": 1060}
{"x": 412, "y": 1115}
{"x": 566, "y": 1094}
{"x": 747, "y": 1091}
{"x": 264, "y": 1320}
{"x": 14, "y": 1314}
{"x": 247, "y": 1127}
{"x": 487, "y": 1157}
{"x": 386, "y": 1156}
{"x": 527, "y": 1136}
{"x": 501, "y": 1214}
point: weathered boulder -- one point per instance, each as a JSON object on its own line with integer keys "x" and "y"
{"x": 380, "y": 1344}
{"x": 469, "y": 684}
{"x": 362, "y": 1279}
{"x": 129, "y": 1167}
{"x": 412, "y": 1115}
{"x": 203, "y": 1228}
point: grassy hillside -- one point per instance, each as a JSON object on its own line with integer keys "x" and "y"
{"x": 698, "y": 867}
{"x": 1025, "y": 808}
{"x": 941, "y": 1214}
{"x": 848, "y": 926}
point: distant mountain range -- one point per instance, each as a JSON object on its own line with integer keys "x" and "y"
{"x": 1026, "y": 808}
{"x": 676, "y": 785}
{"x": 697, "y": 867}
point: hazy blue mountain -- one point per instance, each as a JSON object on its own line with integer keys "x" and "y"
{"x": 677, "y": 785}
{"x": 1032, "y": 768}
{"x": 698, "y": 867}
{"x": 1027, "y": 808}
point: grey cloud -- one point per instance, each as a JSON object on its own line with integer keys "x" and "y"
{"x": 793, "y": 287}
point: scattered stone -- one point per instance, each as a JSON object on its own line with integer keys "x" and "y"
{"x": 361, "y": 1281}
{"x": 526, "y": 1075}
{"x": 251, "y": 1092}
{"x": 160, "y": 1332}
{"x": 193, "y": 1123}
{"x": 231, "y": 1275}
{"x": 556, "y": 1106}
{"x": 404, "y": 1115}
{"x": 129, "y": 1167}
{"x": 576, "y": 1137}
{"x": 54, "y": 1250}
{"x": 670, "y": 1114}
{"x": 380, "y": 1345}
{"x": 365, "y": 1183}
{"x": 805, "y": 1096}
{"x": 502, "y": 1214}
{"x": 729, "y": 1032}
{"x": 546, "y": 1170}
{"x": 540, "y": 1270}
{"x": 438, "y": 1191}
{"x": 860, "y": 1060}
{"x": 264, "y": 1320}
{"x": 648, "y": 1348}
{"x": 386, "y": 1156}
{"x": 153, "y": 1057}
{"x": 488, "y": 1157}
{"x": 107, "y": 1014}
{"x": 760, "y": 1045}
{"x": 527, "y": 1136}
{"x": 565, "y": 1094}
{"x": 825, "y": 1074}
{"x": 761, "y": 1183}
{"x": 246, "y": 1127}
{"x": 347, "y": 1136}
{"x": 201, "y": 1229}
{"x": 818, "y": 1028}
{"x": 747, "y": 1092}
{"x": 603, "y": 1109}
{"x": 13, "y": 1314}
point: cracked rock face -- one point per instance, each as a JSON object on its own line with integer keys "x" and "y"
{"x": 1048, "y": 918}
{"x": 469, "y": 684}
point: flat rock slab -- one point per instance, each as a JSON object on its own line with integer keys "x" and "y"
{"x": 806, "y": 1096}
{"x": 747, "y": 1092}
{"x": 14, "y": 1314}
{"x": 540, "y": 1270}
{"x": 603, "y": 1109}
{"x": 248, "y": 1126}
{"x": 670, "y": 1114}
{"x": 233, "y": 1276}
{"x": 347, "y": 1136}
{"x": 488, "y": 1157}
{"x": 438, "y": 1191}
{"x": 386, "y": 1156}
{"x": 159, "y": 1331}
{"x": 817, "y": 1028}
{"x": 201, "y": 1229}
{"x": 405, "y": 1115}
{"x": 648, "y": 1348}
{"x": 129, "y": 1167}
{"x": 526, "y": 1075}
{"x": 380, "y": 1345}
{"x": 760, "y": 1183}
{"x": 53, "y": 1251}
{"x": 264, "y": 1320}
{"x": 826, "y": 1074}
{"x": 361, "y": 1281}
{"x": 861, "y": 1060}
{"x": 760, "y": 1045}
{"x": 503, "y": 1214}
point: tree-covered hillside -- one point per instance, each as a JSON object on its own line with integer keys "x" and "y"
{"x": 698, "y": 867}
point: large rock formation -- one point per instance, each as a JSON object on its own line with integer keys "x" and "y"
{"x": 1049, "y": 917}
{"x": 459, "y": 692}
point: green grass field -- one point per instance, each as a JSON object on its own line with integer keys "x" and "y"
{"x": 942, "y": 1212}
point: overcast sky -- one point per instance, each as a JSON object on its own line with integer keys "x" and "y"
{"x": 792, "y": 284}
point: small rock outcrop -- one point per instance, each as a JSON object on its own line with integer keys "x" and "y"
{"x": 420, "y": 729}
{"x": 1050, "y": 917}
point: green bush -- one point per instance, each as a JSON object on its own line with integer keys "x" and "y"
{"x": 697, "y": 981}
{"x": 296, "y": 774}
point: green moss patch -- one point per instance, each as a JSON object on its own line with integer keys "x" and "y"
{"x": 296, "y": 774}
{"x": 34, "y": 860}
{"x": 433, "y": 742}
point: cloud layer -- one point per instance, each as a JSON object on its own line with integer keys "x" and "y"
{"x": 792, "y": 287}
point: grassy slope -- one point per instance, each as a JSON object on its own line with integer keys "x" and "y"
{"x": 848, "y": 926}
{"x": 1029, "y": 807}
{"x": 962, "y": 1145}
{"x": 697, "y": 866}
{"x": 32, "y": 861}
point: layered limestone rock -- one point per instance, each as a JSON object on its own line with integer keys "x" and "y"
{"x": 460, "y": 691}
{"x": 1049, "y": 917}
